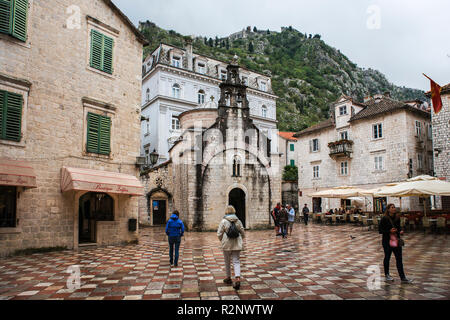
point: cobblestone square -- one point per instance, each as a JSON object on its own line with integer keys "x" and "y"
{"x": 318, "y": 262}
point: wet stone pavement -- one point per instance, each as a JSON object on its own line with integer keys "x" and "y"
{"x": 317, "y": 262}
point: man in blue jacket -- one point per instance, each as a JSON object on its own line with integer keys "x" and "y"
{"x": 174, "y": 230}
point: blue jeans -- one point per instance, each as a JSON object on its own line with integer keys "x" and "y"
{"x": 174, "y": 242}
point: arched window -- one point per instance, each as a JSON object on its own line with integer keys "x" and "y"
{"x": 201, "y": 97}
{"x": 264, "y": 111}
{"x": 147, "y": 95}
{"x": 176, "y": 91}
{"x": 236, "y": 166}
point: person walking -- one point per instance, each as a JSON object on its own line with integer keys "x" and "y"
{"x": 391, "y": 230}
{"x": 230, "y": 233}
{"x": 275, "y": 213}
{"x": 305, "y": 212}
{"x": 283, "y": 220}
{"x": 174, "y": 231}
{"x": 291, "y": 218}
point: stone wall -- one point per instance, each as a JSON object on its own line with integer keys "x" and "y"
{"x": 441, "y": 142}
{"x": 55, "y": 60}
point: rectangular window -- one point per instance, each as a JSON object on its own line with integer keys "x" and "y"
{"x": 223, "y": 75}
{"x": 101, "y": 52}
{"x": 98, "y": 134}
{"x": 263, "y": 86}
{"x": 7, "y": 207}
{"x": 315, "y": 145}
{"x": 410, "y": 168}
{"x": 175, "y": 124}
{"x": 176, "y": 62}
{"x": 344, "y": 168}
{"x": 418, "y": 127}
{"x": 292, "y": 147}
{"x": 10, "y": 116}
{"x": 379, "y": 163}
{"x": 316, "y": 172}
{"x": 201, "y": 68}
{"x": 419, "y": 161}
{"x": 292, "y": 163}
{"x": 13, "y": 18}
{"x": 344, "y": 135}
{"x": 377, "y": 131}
{"x": 342, "y": 110}
{"x": 430, "y": 132}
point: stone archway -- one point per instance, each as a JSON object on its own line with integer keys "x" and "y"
{"x": 237, "y": 199}
{"x": 159, "y": 206}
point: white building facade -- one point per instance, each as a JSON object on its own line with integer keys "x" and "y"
{"x": 366, "y": 145}
{"x": 176, "y": 80}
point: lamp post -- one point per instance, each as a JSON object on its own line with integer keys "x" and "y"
{"x": 154, "y": 156}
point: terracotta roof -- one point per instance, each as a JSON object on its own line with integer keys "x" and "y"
{"x": 385, "y": 104}
{"x": 287, "y": 135}
{"x": 127, "y": 21}
{"x": 321, "y": 125}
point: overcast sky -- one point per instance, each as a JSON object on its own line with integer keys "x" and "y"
{"x": 400, "y": 38}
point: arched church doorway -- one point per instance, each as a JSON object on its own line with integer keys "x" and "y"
{"x": 237, "y": 200}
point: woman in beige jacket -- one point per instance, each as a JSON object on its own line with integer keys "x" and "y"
{"x": 231, "y": 247}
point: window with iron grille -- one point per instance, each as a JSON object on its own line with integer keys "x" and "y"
{"x": 98, "y": 134}
{"x": 10, "y": 116}
{"x": 344, "y": 168}
{"x": 316, "y": 172}
{"x": 13, "y": 18}
{"x": 8, "y": 198}
{"x": 101, "y": 52}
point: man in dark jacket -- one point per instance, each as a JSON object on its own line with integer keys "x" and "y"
{"x": 283, "y": 219}
{"x": 174, "y": 230}
{"x": 275, "y": 213}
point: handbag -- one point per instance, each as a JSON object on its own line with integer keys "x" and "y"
{"x": 394, "y": 241}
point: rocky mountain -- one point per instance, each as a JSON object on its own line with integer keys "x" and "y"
{"x": 307, "y": 74}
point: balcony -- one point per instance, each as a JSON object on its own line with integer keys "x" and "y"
{"x": 341, "y": 149}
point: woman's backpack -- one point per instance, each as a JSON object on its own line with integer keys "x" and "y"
{"x": 232, "y": 232}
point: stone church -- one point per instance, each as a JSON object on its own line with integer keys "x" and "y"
{"x": 221, "y": 158}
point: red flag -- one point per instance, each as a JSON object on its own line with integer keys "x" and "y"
{"x": 435, "y": 95}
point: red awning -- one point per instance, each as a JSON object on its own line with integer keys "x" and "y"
{"x": 17, "y": 173}
{"x": 100, "y": 181}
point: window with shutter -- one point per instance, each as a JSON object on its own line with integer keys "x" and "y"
{"x": 98, "y": 134}
{"x": 10, "y": 116}
{"x": 101, "y": 52}
{"x": 13, "y": 18}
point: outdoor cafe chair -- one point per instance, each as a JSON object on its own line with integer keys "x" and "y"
{"x": 365, "y": 223}
{"x": 403, "y": 222}
{"x": 333, "y": 219}
{"x": 441, "y": 224}
{"x": 425, "y": 224}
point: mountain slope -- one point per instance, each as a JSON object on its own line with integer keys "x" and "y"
{"x": 307, "y": 74}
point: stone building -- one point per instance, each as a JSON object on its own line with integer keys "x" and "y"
{"x": 220, "y": 158}
{"x": 70, "y": 91}
{"x": 176, "y": 80}
{"x": 365, "y": 145}
{"x": 441, "y": 144}
{"x": 287, "y": 144}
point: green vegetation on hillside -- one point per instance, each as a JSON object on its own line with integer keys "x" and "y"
{"x": 307, "y": 74}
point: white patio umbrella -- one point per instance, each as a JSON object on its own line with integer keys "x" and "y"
{"x": 422, "y": 187}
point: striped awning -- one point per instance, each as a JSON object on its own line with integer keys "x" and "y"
{"x": 100, "y": 181}
{"x": 17, "y": 173}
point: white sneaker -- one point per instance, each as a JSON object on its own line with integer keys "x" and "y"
{"x": 389, "y": 278}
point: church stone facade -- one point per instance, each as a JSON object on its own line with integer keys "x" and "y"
{"x": 221, "y": 158}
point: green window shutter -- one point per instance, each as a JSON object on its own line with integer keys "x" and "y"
{"x": 108, "y": 44}
{"x": 5, "y": 16}
{"x": 292, "y": 147}
{"x": 20, "y": 14}
{"x": 105, "y": 135}
{"x": 292, "y": 163}
{"x": 11, "y": 116}
{"x": 96, "y": 49}
{"x": 101, "y": 52}
{"x": 93, "y": 124}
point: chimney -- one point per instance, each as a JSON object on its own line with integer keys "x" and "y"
{"x": 189, "y": 54}
{"x": 378, "y": 97}
{"x": 387, "y": 94}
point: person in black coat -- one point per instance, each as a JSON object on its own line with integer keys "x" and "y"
{"x": 390, "y": 224}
